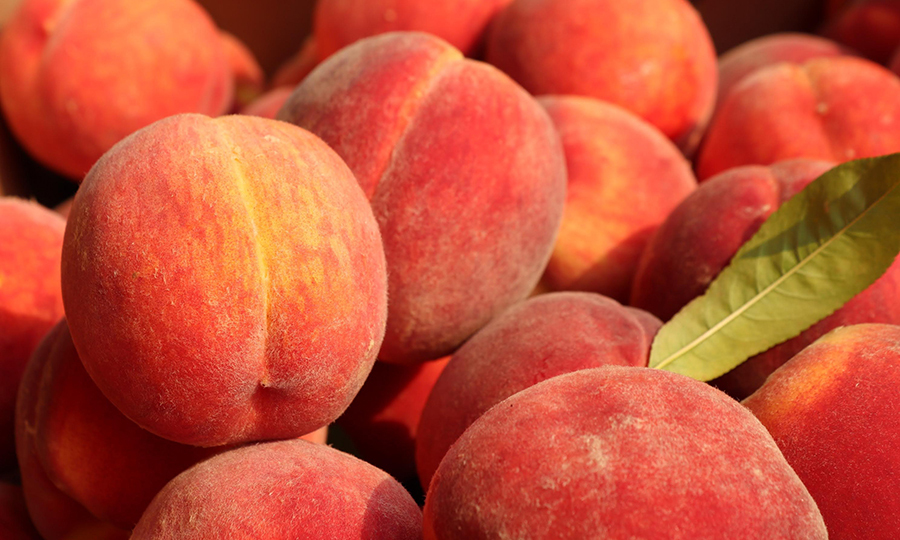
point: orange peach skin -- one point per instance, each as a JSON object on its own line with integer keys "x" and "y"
{"x": 30, "y": 298}
{"x": 465, "y": 173}
{"x": 833, "y": 411}
{"x": 654, "y": 58}
{"x": 533, "y": 341}
{"x": 285, "y": 489}
{"x": 224, "y": 280}
{"x": 703, "y": 233}
{"x": 832, "y": 109}
{"x": 618, "y": 452}
{"x": 383, "y": 420}
{"x": 55, "y": 515}
{"x": 764, "y": 51}
{"x": 625, "y": 177}
{"x": 69, "y": 94}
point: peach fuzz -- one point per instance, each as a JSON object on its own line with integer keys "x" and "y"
{"x": 620, "y": 452}
{"x": 833, "y": 411}
{"x": 465, "y": 173}
{"x": 871, "y": 27}
{"x": 383, "y": 420}
{"x": 533, "y": 341}
{"x": 652, "y": 57}
{"x": 285, "y": 489}
{"x": 55, "y": 515}
{"x": 14, "y": 521}
{"x": 31, "y": 239}
{"x": 764, "y": 51}
{"x": 834, "y": 109}
{"x": 224, "y": 280}
{"x": 616, "y": 163}
{"x": 699, "y": 238}
{"x": 69, "y": 96}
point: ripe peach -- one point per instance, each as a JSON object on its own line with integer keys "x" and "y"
{"x": 465, "y": 173}
{"x": 69, "y": 95}
{"x": 832, "y": 409}
{"x": 31, "y": 238}
{"x": 383, "y": 420}
{"x": 616, "y": 163}
{"x": 618, "y": 452}
{"x": 224, "y": 280}
{"x": 653, "y": 57}
{"x": 537, "y": 339}
{"x": 834, "y": 109}
{"x": 699, "y": 238}
{"x": 285, "y": 489}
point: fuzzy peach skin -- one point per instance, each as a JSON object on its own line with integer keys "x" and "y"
{"x": 871, "y": 27}
{"x": 55, "y": 515}
{"x": 533, "y": 341}
{"x": 280, "y": 490}
{"x": 31, "y": 238}
{"x": 699, "y": 238}
{"x": 383, "y": 420}
{"x": 267, "y": 105}
{"x": 465, "y": 173}
{"x": 625, "y": 177}
{"x": 14, "y": 521}
{"x": 652, "y": 57}
{"x": 752, "y": 55}
{"x": 224, "y": 280}
{"x": 833, "y": 109}
{"x": 248, "y": 76}
{"x": 76, "y": 76}
{"x": 620, "y": 452}
{"x": 833, "y": 410}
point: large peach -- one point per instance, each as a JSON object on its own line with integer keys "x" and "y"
{"x": 617, "y": 163}
{"x": 465, "y": 173}
{"x": 834, "y": 109}
{"x": 652, "y": 57}
{"x": 540, "y": 338}
{"x": 833, "y": 410}
{"x": 699, "y": 238}
{"x": 285, "y": 489}
{"x": 224, "y": 280}
{"x": 31, "y": 239}
{"x": 618, "y": 452}
{"x": 76, "y": 76}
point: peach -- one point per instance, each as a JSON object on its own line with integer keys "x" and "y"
{"x": 55, "y": 515}
{"x": 383, "y": 420}
{"x": 618, "y": 452}
{"x": 69, "y": 95}
{"x": 834, "y": 109}
{"x": 616, "y": 163}
{"x": 699, "y": 238}
{"x": 268, "y": 104}
{"x": 832, "y": 409}
{"x": 653, "y": 57}
{"x": 465, "y": 173}
{"x": 14, "y": 521}
{"x": 293, "y": 70}
{"x": 795, "y": 48}
{"x": 248, "y": 76}
{"x": 871, "y": 27}
{"x": 31, "y": 239}
{"x": 285, "y": 489}
{"x": 224, "y": 280}
{"x": 540, "y": 338}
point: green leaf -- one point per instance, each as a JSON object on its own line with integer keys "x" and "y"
{"x": 821, "y": 248}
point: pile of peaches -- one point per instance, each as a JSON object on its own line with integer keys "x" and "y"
{"x": 448, "y": 232}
